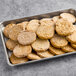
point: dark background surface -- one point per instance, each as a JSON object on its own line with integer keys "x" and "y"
{"x": 12, "y": 9}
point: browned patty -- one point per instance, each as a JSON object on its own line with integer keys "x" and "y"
{"x": 22, "y": 51}
{"x": 68, "y": 48}
{"x": 33, "y": 56}
{"x": 15, "y": 60}
{"x": 45, "y": 54}
{"x": 56, "y": 51}
{"x": 58, "y": 41}
{"x": 26, "y": 37}
{"x": 10, "y": 44}
{"x": 68, "y": 16}
{"x": 72, "y": 38}
{"x": 7, "y": 29}
{"x": 41, "y": 45}
{"x": 64, "y": 27}
{"x": 45, "y": 32}
{"x": 33, "y": 25}
{"x": 13, "y": 34}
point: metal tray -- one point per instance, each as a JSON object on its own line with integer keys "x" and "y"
{"x": 47, "y": 15}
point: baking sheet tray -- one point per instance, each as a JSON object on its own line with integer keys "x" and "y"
{"x": 47, "y": 15}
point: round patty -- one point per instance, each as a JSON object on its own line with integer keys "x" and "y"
{"x": 45, "y": 54}
{"x": 58, "y": 41}
{"x": 15, "y": 60}
{"x": 41, "y": 45}
{"x": 68, "y": 48}
{"x": 26, "y": 37}
{"x": 64, "y": 28}
{"x": 45, "y": 32}
{"x": 22, "y": 51}
{"x": 10, "y": 44}
{"x": 7, "y": 29}
{"x": 33, "y": 56}
{"x": 68, "y": 16}
{"x": 13, "y": 34}
{"x": 33, "y": 25}
{"x": 56, "y": 51}
{"x": 72, "y": 38}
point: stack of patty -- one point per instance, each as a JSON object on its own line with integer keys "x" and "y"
{"x": 37, "y": 39}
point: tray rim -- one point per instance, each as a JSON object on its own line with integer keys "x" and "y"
{"x": 4, "y": 47}
{"x": 37, "y": 15}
